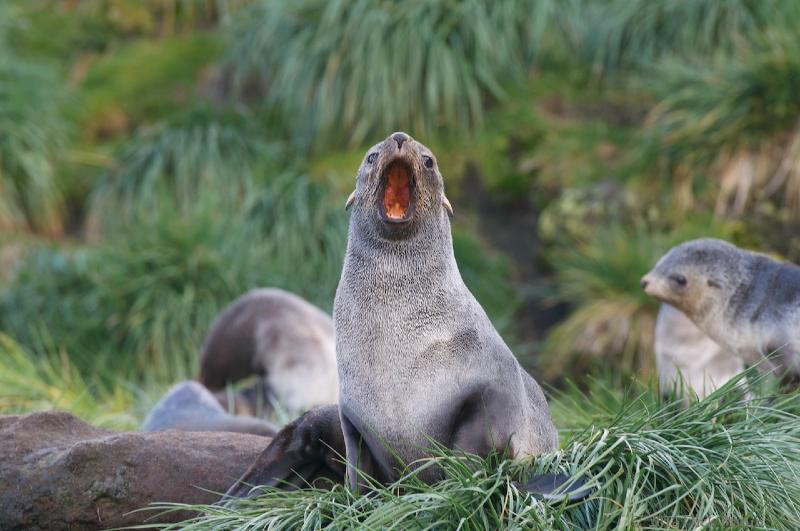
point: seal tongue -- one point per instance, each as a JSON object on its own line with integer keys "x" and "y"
{"x": 397, "y": 194}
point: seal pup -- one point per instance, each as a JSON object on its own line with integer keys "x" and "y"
{"x": 188, "y": 406}
{"x": 418, "y": 358}
{"x": 686, "y": 357}
{"x": 747, "y": 302}
{"x": 280, "y": 337}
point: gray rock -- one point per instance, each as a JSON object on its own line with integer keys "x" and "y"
{"x": 57, "y": 472}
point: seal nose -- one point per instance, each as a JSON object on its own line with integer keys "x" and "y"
{"x": 644, "y": 282}
{"x": 400, "y": 139}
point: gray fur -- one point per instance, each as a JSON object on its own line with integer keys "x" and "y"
{"x": 417, "y": 355}
{"x": 188, "y": 406}
{"x": 687, "y": 356}
{"x": 280, "y": 336}
{"x": 745, "y": 301}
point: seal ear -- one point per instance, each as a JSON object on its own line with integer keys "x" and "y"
{"x": 447, "y": 205}
{"x": 350, "y": 201}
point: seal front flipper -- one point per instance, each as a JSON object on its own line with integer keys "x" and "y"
{"x": 308, "y": 449}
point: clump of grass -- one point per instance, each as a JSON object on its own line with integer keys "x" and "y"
{"x": 737, "y": 118}
{"x": 197, "y": 160}
{"x": 599, "y": 277}
{"x": 720, "y": 462}
{"x": 300, "y": 227}
{"x": 164, "y": 283}
{"x": 50, "y": 381}
{"x": 625, "y": 33}
{"x": 349, "y": 69}
{"x": 52, "y": 294}
{"x": 137, "y": 82}
{"x": 32, "y": 130}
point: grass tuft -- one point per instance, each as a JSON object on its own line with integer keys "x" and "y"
{"x": 351, "y": 69}
{"x": 200, "y": 159}
{"x": 737, "y": 118}
{"x": 32, "y": 130}
{"x": 720, "y": 462}
{"x": 51, "y": 382}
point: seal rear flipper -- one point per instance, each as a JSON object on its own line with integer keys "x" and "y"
{"x": 556, "y": 487}
{"x": 308, "y": 449}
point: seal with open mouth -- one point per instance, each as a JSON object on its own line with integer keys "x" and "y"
{"x": 419, "y": 361}
{"x": 401, "y": 182}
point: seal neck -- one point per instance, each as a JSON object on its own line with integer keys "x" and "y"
{"x": 423, "y": 258}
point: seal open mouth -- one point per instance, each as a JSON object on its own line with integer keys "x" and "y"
{"x": 399, "y": 187}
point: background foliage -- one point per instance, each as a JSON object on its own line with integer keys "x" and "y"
{"x": 158, "y": 158}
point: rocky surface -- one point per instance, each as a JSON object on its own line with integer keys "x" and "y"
{"x": 57, "y": 472}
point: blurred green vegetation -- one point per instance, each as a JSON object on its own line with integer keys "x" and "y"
{"x": 160, "y": 157}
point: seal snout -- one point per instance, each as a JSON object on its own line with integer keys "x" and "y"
{"x": 648, "y": 284}
{"x": 400, "y": 138}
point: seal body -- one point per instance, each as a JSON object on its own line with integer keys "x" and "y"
{"x": 746, "y": 302}
{"x": 418, "y": 359}
{"x": 686, "y": 356}
{"x": 279, "y": 336}
{"x": 188, "y": 406}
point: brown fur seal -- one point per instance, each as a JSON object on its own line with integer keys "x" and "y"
{"x": 188, "y": 406}
{"x": 418, "y": 358}
{"x": 278, "y": 335}
{"x": 747, "y": 302}
{"x": 685, "y": 356}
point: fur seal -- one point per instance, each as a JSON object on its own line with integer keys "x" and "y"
{"x": 418, "y": 358}
{"x": 747, "y": 302}
{"x": 280, "y": 336}
{"x": 188, "y": 406}
{"x": 686, "y": 356}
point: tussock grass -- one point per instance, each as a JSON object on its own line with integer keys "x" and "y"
{"x": 345, "y": 70}
{"x": 612, "y": 318}
{"x": 32, "y": 131}
{"x": 634, "y": 33}
{"x": 200, "y": 159}
{"x": 718, "y": 463}
{"x": 51, "y": 382}
{"x": 737, "y": 118}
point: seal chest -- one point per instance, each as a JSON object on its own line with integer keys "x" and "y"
{"x": 687, "y": 356}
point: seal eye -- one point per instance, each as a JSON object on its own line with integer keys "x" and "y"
{"x": 678, "y": 279}
{"x": 371, "y": 158}
{"x": 428, "y": 161}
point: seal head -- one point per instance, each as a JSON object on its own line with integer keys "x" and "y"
{"x": 398, "y": 189}
{"x": 695, "y": 274}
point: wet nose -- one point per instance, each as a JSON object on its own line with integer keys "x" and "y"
{"x": 399, "y": 138}
{"x": 644, "y": 282}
